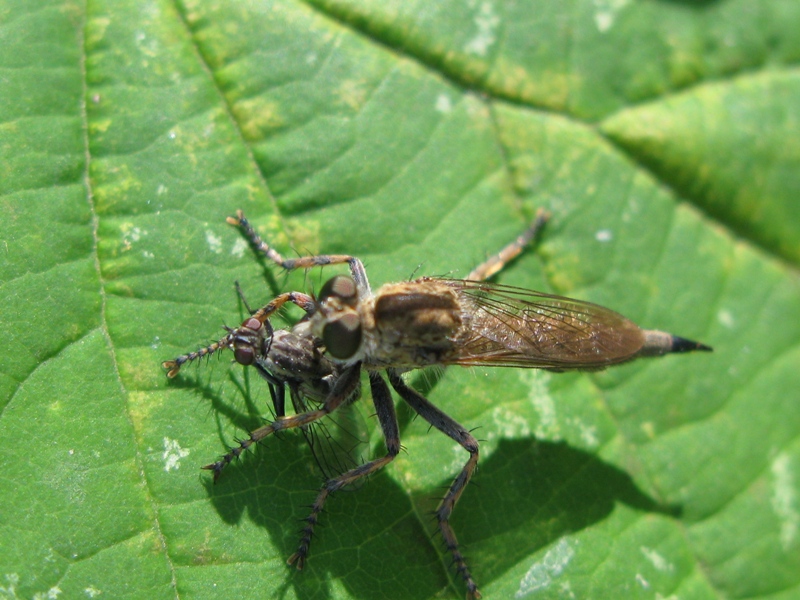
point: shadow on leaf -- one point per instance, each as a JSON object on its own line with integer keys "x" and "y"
{"x": 692, "y": 3}
{"x": 527, "y": 495}
{"x": 367, "y": 538}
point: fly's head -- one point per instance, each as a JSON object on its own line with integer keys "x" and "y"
{"x": 337, "y": 319}
{"x": 251, "y": 341}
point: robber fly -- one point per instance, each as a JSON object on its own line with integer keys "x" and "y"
{"x": 431, "y": 321}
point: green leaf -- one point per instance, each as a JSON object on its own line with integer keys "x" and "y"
{"x": 420, "y": 137}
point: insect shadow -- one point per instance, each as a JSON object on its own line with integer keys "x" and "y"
{"x": 538, "y": 492}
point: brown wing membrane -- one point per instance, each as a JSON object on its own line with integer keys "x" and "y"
{"x": 514, "y": 327}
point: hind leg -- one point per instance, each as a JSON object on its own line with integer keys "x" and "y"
{"x": 451, "y": 428}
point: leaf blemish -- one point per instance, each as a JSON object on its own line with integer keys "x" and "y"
{"x": 486, "y": 21}
{"x": 173, "y": 453}
{"x": 509, "y": 424}
{"x": 642, "y": 581}
{"x": 658, "y": 561}
{"x": 588, "y": 433}
{"x": 11, "y": 589}
{"x": 784, "y": 500}
{"x": 130, "y": 235}
{"x": 606, "y": 13}
{"x": 443, "y": 103}
{"x": 539, "y": 396}
{"x": 239, "y": 248}
{"x": 725, "y": 318}
{"x": 214, "y": 242}
{"x": 604, "y": 235}
{"x": 543, "y": 573}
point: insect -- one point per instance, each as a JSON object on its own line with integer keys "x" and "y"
{"x": 432, "y": 321}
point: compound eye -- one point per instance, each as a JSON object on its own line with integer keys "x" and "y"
{"x": 342, "y": 336}
{"x": 244, "y": 355}
{"x": 342, "y": 287}
{"x": 253, "y": 324}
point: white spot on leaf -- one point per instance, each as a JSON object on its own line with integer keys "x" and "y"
{"x": 486, "y": 22}
{"x": 214, "y": 242}
{"x": 588, "y": 433}
{"x": 658, "y": 561}
{"x": 51, "y": 594}
{"x": 509, "y": 424}
{"x": 443, "y": 103}
{"x": 725, "y": 318}
{"x": 542, "y": 401}
{"x": 130, "y": 235}
{"x": 606, "y": 11}
{"x": 543, "y": 573}
{"x": 566, "y": 590}
{"x": 173, "y": 453}
{"x": 10, "y": 590}
{"x": 239, "y": 247}
{"x": 784, "y": 500}
{"x": 604, "y": 235}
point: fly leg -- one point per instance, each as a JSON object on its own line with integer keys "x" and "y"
{"x": 240, "y": 293}
{"x": 277, "y": 389}
{"x": 384, "y": 408}
{"x": 343, "y": 389}
{"x": 357, "y": 270}
{"x": 494, "y": 264}
{"x": 451, "y": 428}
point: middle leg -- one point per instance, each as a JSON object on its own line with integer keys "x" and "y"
{"x": 384, "y": 408}
{"x": 495, "y": 264}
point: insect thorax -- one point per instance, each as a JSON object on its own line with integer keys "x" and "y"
{"x": 414, "y": 325}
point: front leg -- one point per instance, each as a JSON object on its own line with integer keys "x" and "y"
{"x": 342, "y": 391}
{"x": 357, "y": 271}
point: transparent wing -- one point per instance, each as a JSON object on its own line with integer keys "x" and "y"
{"x": 508, "y": 326}
{"x": 340, "y": 440}
{"x": 293, "y": 360}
